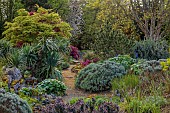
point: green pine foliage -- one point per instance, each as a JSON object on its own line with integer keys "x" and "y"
{"x": 12, "y": 103}
{"x": 109, "y": 43}
{"x": 151, "y": 50}
{"x": 97, "y": 77}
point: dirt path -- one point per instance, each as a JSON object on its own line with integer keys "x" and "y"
{"x": 69, "y": 80}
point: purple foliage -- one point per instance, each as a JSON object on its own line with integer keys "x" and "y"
{"x": 136, "y": 54}
{"x": 108, "y": 107}
{"x": 74, "y": 52}
{"x": 79, "y": 107}
{"x": 87, "y": 61}
{"x": 31, "y": 13}
{"x": 95, "y": 60}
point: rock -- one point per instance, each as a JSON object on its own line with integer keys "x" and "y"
{"x": 13, "y": 75}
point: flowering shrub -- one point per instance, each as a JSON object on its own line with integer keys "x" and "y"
{"x": 87, "y": 61}
{"x": 74, "y": 52}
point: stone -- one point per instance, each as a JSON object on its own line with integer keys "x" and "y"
{"x": 12, "y": 74}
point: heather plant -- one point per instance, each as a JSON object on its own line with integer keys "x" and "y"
{"x": 97, "y": 77}
{"x": 52, "y": 86}
{"x": 86, "y": 62}
{"x": 151, "y": 50}
{"x": 12, "y": 103}
{"x": 80, "y": 106}
{"x": 31, "y": 100}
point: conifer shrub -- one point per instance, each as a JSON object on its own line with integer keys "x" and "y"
{"x": 12, "y": 103}
{"x": 97, "y": 77}
{"x": 151, "y": 50}
{"x": 109, "y": 42}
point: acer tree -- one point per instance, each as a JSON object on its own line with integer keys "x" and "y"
{"x": 33, "y": 26}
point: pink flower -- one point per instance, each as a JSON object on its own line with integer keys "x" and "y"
{"x": 19, "y": 44}
{"x": 74, "y": 52}
{"x": 31, "y": 13}
{"x": 85, "y": 63}
{"x": 95, "y": 60}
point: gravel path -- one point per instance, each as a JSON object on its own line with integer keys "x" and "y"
{"x": 69, "y": 80}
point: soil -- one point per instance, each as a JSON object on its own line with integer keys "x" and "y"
{"x": 71, "y": 92}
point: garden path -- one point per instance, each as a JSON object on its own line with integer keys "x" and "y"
{"x": 69, "y": 80}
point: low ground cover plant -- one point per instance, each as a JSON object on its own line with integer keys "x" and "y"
{"x": 52, "y": 86}
{"x": 80, "y": 106}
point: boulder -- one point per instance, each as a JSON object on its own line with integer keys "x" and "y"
{"x": 13, "y": 75}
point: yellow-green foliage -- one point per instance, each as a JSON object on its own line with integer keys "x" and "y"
{"x": 150, "y": 104}
{"x": 32, "y": 26}
{"x": 165, "y": 65}
{"x": 125, "y": 83}
{"x": 3, "y": 84}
